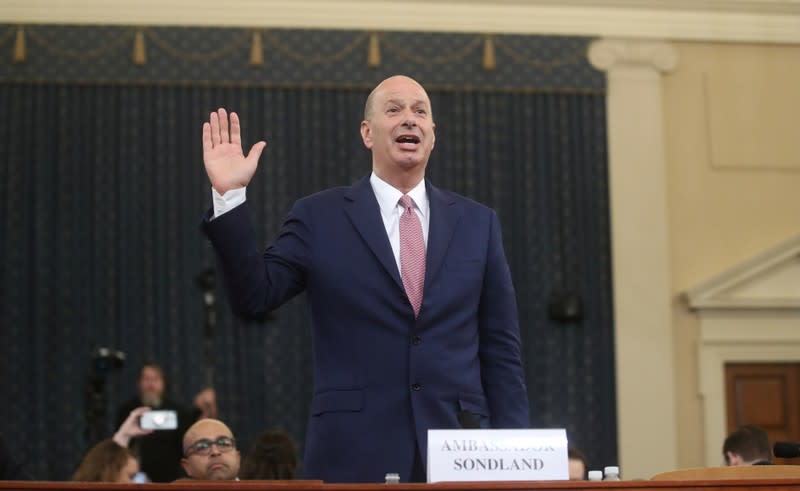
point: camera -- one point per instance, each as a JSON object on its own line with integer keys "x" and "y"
{"x": 159, "y": 420}
{"x": 102, "y": 362}
{"x": 106, "y": 360}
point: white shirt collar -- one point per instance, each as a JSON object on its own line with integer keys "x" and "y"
{"x": 388, "y": 196}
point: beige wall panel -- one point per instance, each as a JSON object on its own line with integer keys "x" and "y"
{"x": 752, "y": 103}
{"x": 722, "y": 215}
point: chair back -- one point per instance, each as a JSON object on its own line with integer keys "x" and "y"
{"x": 733, "y": 473}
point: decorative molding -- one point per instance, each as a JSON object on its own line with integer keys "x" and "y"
{"x": 749, "y": 328}
{"x": 604, "y": 54}
{"x": 747, "y": 314}
{"x": 296, "y": 57}
{"x": 766, "y": 281}
{"x": 776, "y": 6}
{"x": 772, "y": 21}
{"x": 763, "y": 141}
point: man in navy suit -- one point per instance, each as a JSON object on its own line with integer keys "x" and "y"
{"x": 415, "y": 323}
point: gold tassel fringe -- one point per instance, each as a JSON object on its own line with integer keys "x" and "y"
{"x": 139, "y": 52}
{"x": 256, "y": 50}
{"x": 19, "y": 46}
{"x": 489, "y": 60}
{"x": 374, "y": 51}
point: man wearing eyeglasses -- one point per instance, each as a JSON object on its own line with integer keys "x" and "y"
{"x": 209, "y": 451}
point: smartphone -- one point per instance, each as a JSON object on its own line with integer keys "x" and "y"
{"x": 159, "y": 420}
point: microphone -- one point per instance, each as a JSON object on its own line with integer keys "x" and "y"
{"x": 786, "y": 450}
{"x": 468, "y": 420}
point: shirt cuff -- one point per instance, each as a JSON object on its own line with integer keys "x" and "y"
{"x": 224, "y": 203}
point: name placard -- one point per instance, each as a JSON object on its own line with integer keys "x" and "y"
{"x": 497, "y": 455}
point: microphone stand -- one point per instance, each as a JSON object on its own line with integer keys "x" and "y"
{"x": 206, "y": 281}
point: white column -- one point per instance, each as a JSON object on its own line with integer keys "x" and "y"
{"x": 646, "y": 412}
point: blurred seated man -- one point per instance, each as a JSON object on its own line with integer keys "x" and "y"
{"x": 160, "y": 451}
{"x": 748, "y": 445}
{"x": 107, "y": 462}
{"x": 206, "y": 402}
{"x": 272, "y": 457}
{"x": 577, "y": 464}
{"x": 209, "y": 452}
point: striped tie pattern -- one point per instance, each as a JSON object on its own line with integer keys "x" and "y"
{"x": 412, "y": 254}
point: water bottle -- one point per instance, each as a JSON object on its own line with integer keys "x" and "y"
{"x": 392, "y": 478}
{"x": 595, "y": 475}
{"x": 611, "y": 473}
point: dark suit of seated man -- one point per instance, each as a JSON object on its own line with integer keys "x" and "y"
{"x": 414, "y": 314}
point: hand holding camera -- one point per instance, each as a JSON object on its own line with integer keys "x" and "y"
{"x": 131, "y": 427}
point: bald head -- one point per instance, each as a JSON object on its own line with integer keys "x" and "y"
{"x": 369, "y": 106}
{"x": 203, "y": 428}
{"x": 399, "y": 131}
{"x": 210, "y": 451}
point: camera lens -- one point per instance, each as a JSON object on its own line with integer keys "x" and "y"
{"x": 105, "y": 360}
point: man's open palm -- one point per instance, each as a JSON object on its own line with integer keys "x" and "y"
{"x": 226, "y": 165}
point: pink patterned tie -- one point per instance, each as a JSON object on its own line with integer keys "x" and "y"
{"x": 412, "y": 254}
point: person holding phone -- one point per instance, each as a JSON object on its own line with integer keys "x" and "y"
{"x": 160, "y": 449}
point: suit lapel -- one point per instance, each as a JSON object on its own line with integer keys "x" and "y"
{"x": 444, "y": 217}
{"x": 364, "y": 212}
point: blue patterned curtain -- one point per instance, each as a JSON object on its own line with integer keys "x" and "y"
{"x": 103, "y": 188}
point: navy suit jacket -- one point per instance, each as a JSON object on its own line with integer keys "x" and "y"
{"x": 381, "y": 377}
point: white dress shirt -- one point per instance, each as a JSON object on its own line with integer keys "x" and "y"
{"x": 223, "y": 203}
{"x": 388, "y": 201}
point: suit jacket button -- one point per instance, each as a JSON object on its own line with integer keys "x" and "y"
{"x": 416, "y": 340}
{"x": 416, "y": 387}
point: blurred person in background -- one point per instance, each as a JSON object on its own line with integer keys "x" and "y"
{"x": 272, "y": 457}
{"x": 748, "y": 445}
{"x": 107, "y": 462}
{"x": 577, "y": 464}
{"x": 160, "y": 451}
{"x": 110, "y": 460}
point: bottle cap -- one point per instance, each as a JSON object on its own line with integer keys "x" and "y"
{"x": 595, "y": 475}
{"x": 392, "y": 478}
{"x": 611, "y": 469}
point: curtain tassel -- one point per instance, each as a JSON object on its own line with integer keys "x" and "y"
{"x": 374, "y": 51}
{"x": 19, "y": 46}
{"x": 489, "y": 60}
{"x": 256, "y": 50}
{"x": 139, "y": 51}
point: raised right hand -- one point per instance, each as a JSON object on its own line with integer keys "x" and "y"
{"x": 226, "y": 165}
{"x": 130, "y": 428}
